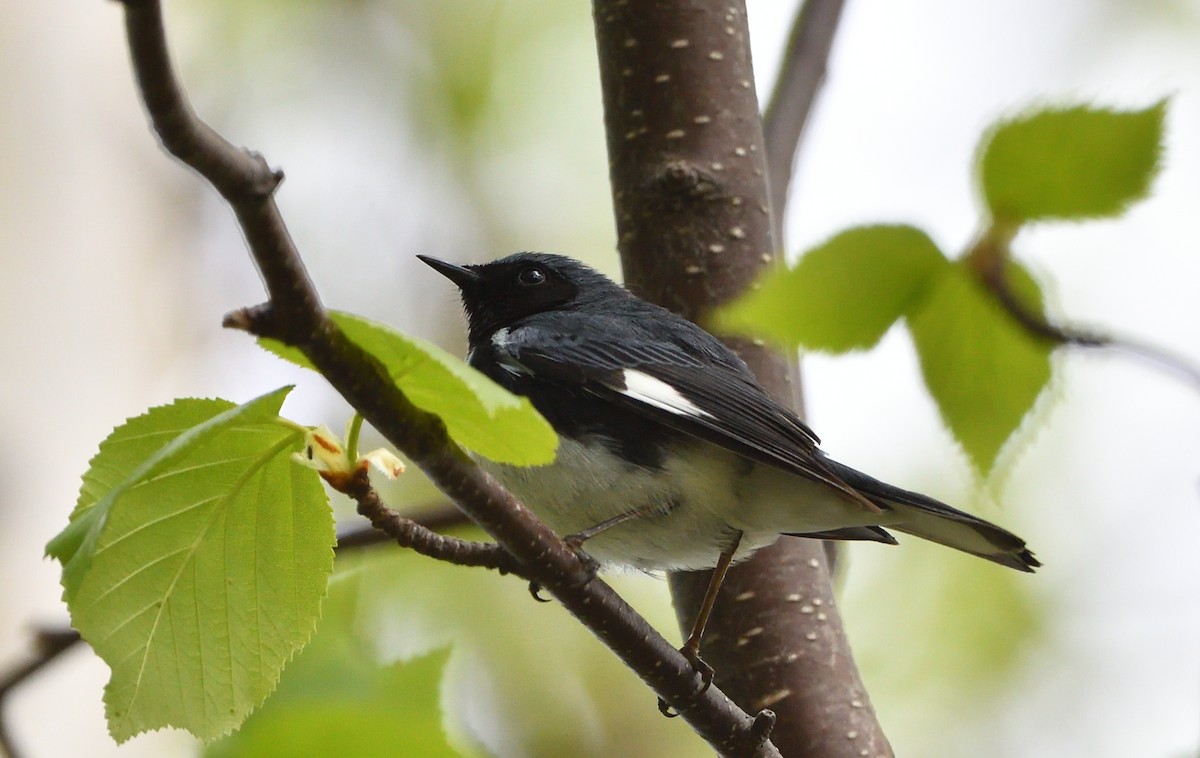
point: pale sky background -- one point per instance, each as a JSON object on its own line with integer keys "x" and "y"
{"x": 116, "y": 266}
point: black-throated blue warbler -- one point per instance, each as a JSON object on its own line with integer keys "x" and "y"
{"x": 671, "y": 456}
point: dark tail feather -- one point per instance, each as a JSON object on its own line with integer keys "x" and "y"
{"x": 964, "y": 532}
{"x": 922, "y": 516}
{"x": 852, "y": 533}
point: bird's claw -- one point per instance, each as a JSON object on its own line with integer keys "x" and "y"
{"x": 535, "y": 590}
{"x": 665, "y": 709}
{"x": 702, "y": 668}
{"x": 590, "y": 565}
{"x": 591, "y": 568}
{"x": 706, "y": 679}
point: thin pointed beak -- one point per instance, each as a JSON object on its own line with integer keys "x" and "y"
{"x": 460, "y": 275}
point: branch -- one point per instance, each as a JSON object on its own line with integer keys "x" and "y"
{"x": 410, "y": 534}
{"x": 294, "y": 315}
{"x": 694, "y": 229}
{"x": 800, "y": 77}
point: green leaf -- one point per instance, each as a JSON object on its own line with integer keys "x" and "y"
{"x": 136, "y": 440}
{"x": 843, "y": 295}
{"x": 1071, "y": 163}
{"x": 335, "y": 698}
{"x": 982, "y": 368}
{"x": 201, "y": 571}
{"x": 479, "y": 414}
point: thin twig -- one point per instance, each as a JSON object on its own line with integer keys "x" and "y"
{"x": 410, "y": 534}
{"x": 800, "y": 78}
{"x": 1159, "y": 357}
{"x": 294, "y": 315}
{"x": 436, "y": 518}
{"x": 49, "y": 645}
{"x": 990, "y": 256}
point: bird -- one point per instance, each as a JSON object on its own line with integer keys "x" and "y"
{"x": 671, "y": 455}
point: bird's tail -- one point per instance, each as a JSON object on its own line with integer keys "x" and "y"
{"x": 922, "y": 516}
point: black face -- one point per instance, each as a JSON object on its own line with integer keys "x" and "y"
{"x": 497, "y": 294}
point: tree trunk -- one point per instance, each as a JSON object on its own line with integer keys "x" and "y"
{"x": 694, "y": 228}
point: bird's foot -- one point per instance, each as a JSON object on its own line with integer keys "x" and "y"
{"x": 591, "y": 567}
{"x": 706, "y": 679}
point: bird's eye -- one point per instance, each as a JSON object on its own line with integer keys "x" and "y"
{"x": 531, "y": 277}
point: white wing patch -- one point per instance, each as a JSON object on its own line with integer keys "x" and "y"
{"x": 646, "y": 389}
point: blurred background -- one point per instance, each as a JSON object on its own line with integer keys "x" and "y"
{"x": 468, "y": 129}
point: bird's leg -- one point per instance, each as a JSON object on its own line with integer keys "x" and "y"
{"x": 691, "y": 648}
{"x": 575, "y": 542}
{"x": 577, "y": 539}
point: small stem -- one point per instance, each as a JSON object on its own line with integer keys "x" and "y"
{"x": 990, "y": 257}
{"x": 352, "y": 433}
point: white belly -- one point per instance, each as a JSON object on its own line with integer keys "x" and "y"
{"x": 697, "y": 505}
{"x": 587, "y": 485}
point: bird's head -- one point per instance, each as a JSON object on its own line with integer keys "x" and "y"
{"x": 497, "y": 294}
